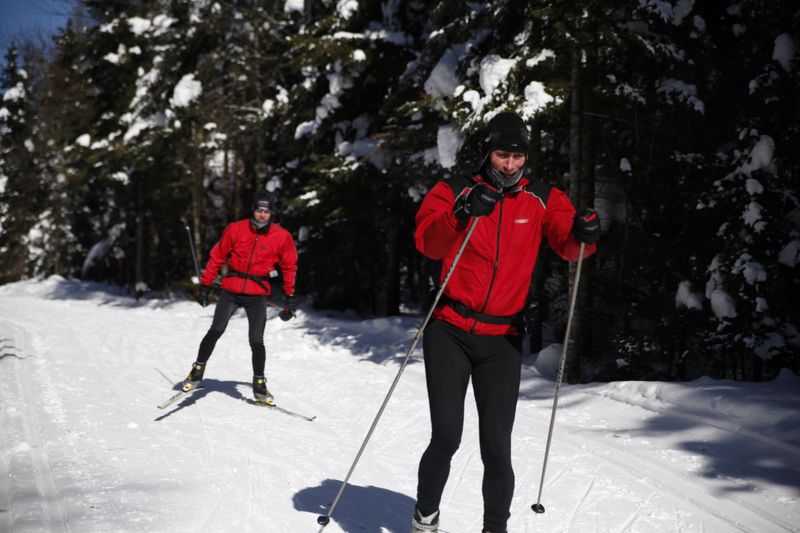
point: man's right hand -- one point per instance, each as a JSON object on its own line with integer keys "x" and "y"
{"x": 478, "y": 202}
{"x": 201, "y": 293}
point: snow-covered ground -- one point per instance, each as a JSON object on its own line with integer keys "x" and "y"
{"x": 83, "y": 447}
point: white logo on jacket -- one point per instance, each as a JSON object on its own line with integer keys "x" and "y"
{"x": 521, "y": 220}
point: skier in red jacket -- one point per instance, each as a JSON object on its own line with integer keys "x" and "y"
{"x": 475, "y": 332}
{"x": 251, "y": 248}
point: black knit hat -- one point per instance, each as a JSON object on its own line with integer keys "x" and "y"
{"x": 507, "y": 131}
{"x": 262, "y": 200}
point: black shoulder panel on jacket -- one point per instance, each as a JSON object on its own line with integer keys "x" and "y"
{"x": 540, "y": 189}
{"x": 458, "y": 184}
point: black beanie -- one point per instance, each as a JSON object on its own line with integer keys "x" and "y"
{"x": 262, "y": 200}
{"x": 507, "y": 131}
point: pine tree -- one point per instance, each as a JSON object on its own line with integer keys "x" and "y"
{"x": 751, "y": 280}
{"x": 20, "y": 185}
{"x": 346, "y": 189}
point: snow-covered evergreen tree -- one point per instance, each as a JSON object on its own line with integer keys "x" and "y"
{"x": 20, "y": 184}
{"x": 673, "y": 118}
{"x": 751, "y": 280}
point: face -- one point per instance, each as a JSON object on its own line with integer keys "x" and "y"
{"x": 507, "y": 163}
{"x": 261, "y": 214}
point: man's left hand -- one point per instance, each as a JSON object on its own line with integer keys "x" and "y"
{"x": 201, "y": 294}
{"x": 289, "y": 308}
{"x": 586, "y": 226}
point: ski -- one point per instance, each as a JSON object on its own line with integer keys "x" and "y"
{"x": 278, "y": 408}
{"x": 178, "y": 396}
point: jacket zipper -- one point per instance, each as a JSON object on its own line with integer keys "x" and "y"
{"x": 494, "y": 267}
{"x": 249, "y": 261}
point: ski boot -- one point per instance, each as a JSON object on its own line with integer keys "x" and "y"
{"x": 261, "y": 392}
{"x": 425, "y": 524}
{"x": 194, "y": 378}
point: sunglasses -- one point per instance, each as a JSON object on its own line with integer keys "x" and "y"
{"x": 262, "y": 210}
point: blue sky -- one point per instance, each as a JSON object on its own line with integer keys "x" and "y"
{"x": 30, "y": 18}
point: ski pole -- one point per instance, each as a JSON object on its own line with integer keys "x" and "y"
{"x": 538, "y": 507}
{"x": 194, "y": 255}
{"x": 323, "y": 520}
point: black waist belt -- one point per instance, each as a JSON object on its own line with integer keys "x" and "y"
{"x": 466, "y": 312}
{"x": 258, "y": 279}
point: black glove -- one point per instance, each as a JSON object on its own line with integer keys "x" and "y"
{"x": 586, "y": 226}
{"x": 201, "y": 293}
{"x": 289, "y": 308}
{"x": 478, "y": 202}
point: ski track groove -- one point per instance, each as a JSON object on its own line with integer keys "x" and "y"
{"x": 578, "y": 505}
{"x": 52, "y": 502}
{"x": 632, "y": 520}
{"x": 75, "y": 341}
{"x": 5, "y": 472}
{"x": 640, "y": 469}
{"x": 141, "y": 417}
{"x": 251, "y": 488}
{"x": 64, "y": 331}
{"x": 554, "y": 478}
{"x": 464, "y": 467}
{"x": 717, "y": 424}
{"x": 210, "y": 513}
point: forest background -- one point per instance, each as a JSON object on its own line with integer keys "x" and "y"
{"x": 678, "y": 120}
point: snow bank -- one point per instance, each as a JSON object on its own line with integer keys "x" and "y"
{"x": 548, "y": 360}
{"x": 756, "y": 406}
{"x": 57, "y": 287}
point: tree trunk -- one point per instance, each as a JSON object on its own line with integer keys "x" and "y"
{"x": 572, "y": 364}
{"x": 393, "y": 267}
{"x": 138, "y": 272}
{"x": 581, "y": 193}
{"x": 198, "y": 197}
{"x": 534, "y": 162}
{"x": 197, "y": 218}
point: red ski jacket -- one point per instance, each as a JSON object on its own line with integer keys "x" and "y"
{"x": 253, "y": 254}
{"x": 494, "y": 272}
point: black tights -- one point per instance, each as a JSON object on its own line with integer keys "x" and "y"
{"x": 452, "y": 357}
{"x": 256, "y": 309}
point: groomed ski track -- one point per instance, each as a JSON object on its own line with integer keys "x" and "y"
{"x": 83, "y": 447}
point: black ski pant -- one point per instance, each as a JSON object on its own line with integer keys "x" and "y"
{"x": 452, "y": 357}
{"x": 256, "y": 309}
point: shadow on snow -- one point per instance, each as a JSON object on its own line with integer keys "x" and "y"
{"x": 360, "y": 509}
{"x": 228, "y": 388}
{"x": 378, "y": 340}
